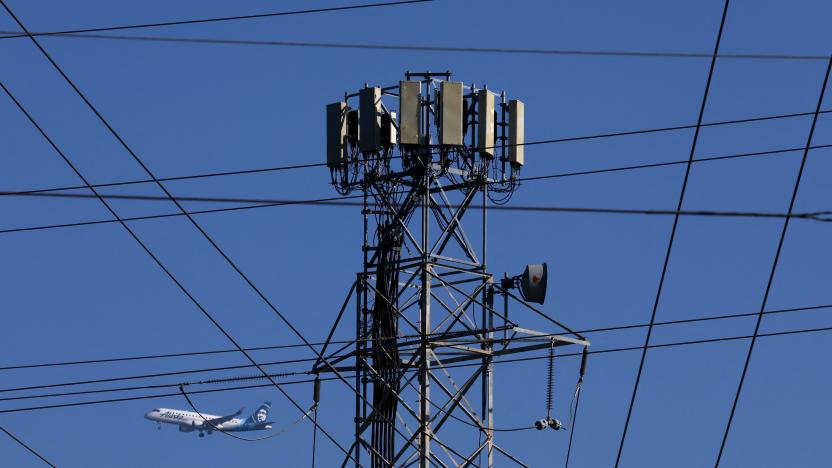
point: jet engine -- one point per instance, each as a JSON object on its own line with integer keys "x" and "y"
{"x": 184, "y": 428}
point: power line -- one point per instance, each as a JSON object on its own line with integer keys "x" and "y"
{"x": 294, "y": 361}
{"x": 549, "y": 141}
{"x": 664, "y": 164}
{"x": 167, "y": 385}
{"x": 530, "y": 143}
{"x": 199, "y": 228}
{"x": 669, "y": 129}
{"x": 539, "y": 142}
{"x": 452, "y": 366}
{"x": 149, "y": 252}
{"x": 115, "y": 215}
{"x": 773, "y": 266}
{"x": 672, "y": 233}
{"x": 150, "y": 376}
{"x": 173, "y": 215}
{"x": 289, "y": 374}
{"x": 572, "y": 430}
{"x": 422, "y": 48}
{"x": 816, "y": 216}
{"x": 175, "y": 178}
{"x": 298, "y": 345}
{"x": 27, "y": 447}
{"x": 211, "y": 20}
{"x": 145, "y": 397}
{"x": 677, "y": 213}
{"x": 150, "y": 356}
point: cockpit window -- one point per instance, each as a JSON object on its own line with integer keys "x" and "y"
{"x": 158, "y": 410}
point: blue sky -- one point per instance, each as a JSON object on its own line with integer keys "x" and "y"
{"x": 90, "y": 292}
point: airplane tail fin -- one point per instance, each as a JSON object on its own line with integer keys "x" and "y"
{"x": 261, "y": 415}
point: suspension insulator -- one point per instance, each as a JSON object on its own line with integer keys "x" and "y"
{"x": 316, "y": 396}
{"x": 550, "y": 380}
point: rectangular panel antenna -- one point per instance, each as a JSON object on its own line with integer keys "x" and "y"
{"x": 485, "y": 123}
{"x": 450, "y": 113}
{"x": 352, "y": 127}
{"x": 516, "y": 132}
{"x": 336, "y": 134}
{"x": 369, "y": 129}
{"x": 409, "y": 110}
{"x": 388, "y": 129}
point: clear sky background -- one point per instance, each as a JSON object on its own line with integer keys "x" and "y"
{"x": 90, "y": 292}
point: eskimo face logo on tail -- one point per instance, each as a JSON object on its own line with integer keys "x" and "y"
{"x": 261, "y": 414}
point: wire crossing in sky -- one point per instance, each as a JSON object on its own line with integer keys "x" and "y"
{"x": 335, "y": 201}
{"x": 303, "y": 360}
{"x": 196, "y": 225}
{"x": 539, "y": 142}
{"x": 27, "y": 447}
{"x": 773, "y": 266}
{"x": 116, "y": 216}
{"x": 496, "y": 361}
{"x": 417, "y": 48}
{"x": 212, "y": 20}
{"x": 672, "y": 234}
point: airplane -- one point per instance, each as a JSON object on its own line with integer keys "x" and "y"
{"x": 190, "y": 421}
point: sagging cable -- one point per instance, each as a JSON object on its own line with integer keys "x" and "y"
{"x": 214, "y": 427}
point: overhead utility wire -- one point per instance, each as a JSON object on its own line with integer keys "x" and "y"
{"x": 167, "y": 385}
{"x": 773, "y": 267}
{"x": 122, "y": 222}
{"x": 530, "y": 143}
{"x": 152, "y": 255}
{"x": 174, "y": 215}
{"x": 672, "y": 233}
{"x": 175, "y": 178}
{"x": 816, "y": 216}
{"x": 27, "y": 447}
{"x": 299, "y": 360}
{"x": 156, "y": 375}
{"x": 452, "y": 366}
{"x": 202, "y": 231}
{"x": 572, "y": 430}
{"x": 300, "y": 345}
{"x": 422, "y": 48}
{"x": 26, "y": 33}
{"x": 664, "y": 164}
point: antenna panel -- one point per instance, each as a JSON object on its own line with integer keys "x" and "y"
{"x": 409, "y": 97}
{"x": 450, "y": 130}
{"x": 369, "y": 129}
{"x": 516, "y": 132}
{"x": 336, "y": 134}
{"x": 485, "y": 123}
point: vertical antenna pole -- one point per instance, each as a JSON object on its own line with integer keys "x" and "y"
{"x": 358, "y": 364}
{"x": 424, "y": 367}
{"x": 488, "y": 324}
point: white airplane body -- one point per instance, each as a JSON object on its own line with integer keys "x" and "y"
{"x": 190, "y": 421}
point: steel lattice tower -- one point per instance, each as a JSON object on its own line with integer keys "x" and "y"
{"x": 424, "y": 301}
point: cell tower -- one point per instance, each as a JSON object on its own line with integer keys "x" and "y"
{"x": 426, "y": 325}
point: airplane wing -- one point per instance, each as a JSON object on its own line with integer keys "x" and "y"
{"x": 222, "y": 419}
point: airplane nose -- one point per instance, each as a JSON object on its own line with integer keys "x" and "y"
{"x": 148, "y": 414}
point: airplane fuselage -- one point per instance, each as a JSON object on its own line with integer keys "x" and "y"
{"x": 192, "y": 421}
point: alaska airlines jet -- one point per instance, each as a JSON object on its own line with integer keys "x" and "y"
{"x": 189, "y": 421}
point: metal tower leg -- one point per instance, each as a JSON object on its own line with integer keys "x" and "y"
{"x": 424, "y": 367}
